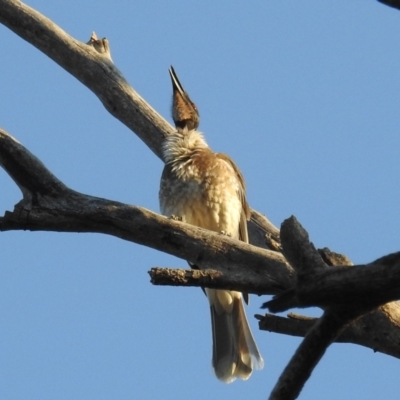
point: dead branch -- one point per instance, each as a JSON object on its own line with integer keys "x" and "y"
{"x": 322, "y": 286}
{"x": 50, "y": 205}
{"x": 307, "y": 356}
{"x": 366, "y": 331}
{"x": 91, "y": 67}
{"x": 317, "y": 284}
{"x": 207, "y": 278}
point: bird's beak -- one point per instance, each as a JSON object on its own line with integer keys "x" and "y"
{"x": 175, "y": 82}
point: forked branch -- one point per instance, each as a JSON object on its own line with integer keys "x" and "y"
{"x": 320, "y": 285}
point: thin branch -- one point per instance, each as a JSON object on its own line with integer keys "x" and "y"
{"x": 310, "y": 351}
{"x": 293, "y": 326}
{"x": 26, "y": 170}
{"x": 94, "y": 69}
{"x": 365, "y": 331}
{"x": 208, "y": 278}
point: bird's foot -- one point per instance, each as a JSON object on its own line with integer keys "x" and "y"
{"x": 176, "y": 217}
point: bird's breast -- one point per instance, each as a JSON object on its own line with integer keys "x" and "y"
{"x": 202, "y": 193}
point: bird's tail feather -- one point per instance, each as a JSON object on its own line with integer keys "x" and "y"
{"x": 235, "y": 353}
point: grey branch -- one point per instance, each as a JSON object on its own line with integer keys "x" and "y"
{"x": 318, "y": 284}
{"x": 307, "y": 356}
{"x": 366, "y": 331}
{"x": 208, "y": 278}
{"x": 50, "y": 205}
{"x": 91, "y": 67}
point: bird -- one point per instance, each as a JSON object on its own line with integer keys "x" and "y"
{"x": 207, "y": 189}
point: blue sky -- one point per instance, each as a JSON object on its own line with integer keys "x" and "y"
{"x": 303, "y": 95}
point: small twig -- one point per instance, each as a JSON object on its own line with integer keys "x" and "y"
{"x": 102, "y": 46}
{"x": 298, "y": 326}
{"x": 183, "y": 277}
{"x": 209, "y": 279}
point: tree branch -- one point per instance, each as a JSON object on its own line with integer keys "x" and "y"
{"x": 365, "y": 331}
{"x": 92, "y": 66}
{"x": 208, "y": 278}
{"x": 317, "y": 284}
{"x": 50, "y": 205}
{"x": 94, "y": 69}
{"x": 322, "y": 286}
{"x": 310, "y": 351}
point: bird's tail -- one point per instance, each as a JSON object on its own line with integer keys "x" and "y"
{"x": 235, "y": 353}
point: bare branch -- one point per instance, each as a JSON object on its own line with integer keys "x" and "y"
{"x": 293, "y": 325}
{"x": 94, "y": 69}
{"x": 27, "y": 171}
{"x": 91, "y": 64}
{"x": 369, "y": 286}
{"x": 50, "y": 205}
{"x": 365, "y": 331}
{"x": 208, "y": 278}
{"x": 310, "y": 351}
{"x": 317, "y": 284}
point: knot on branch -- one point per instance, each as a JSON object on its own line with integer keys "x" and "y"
{"x": 102, "y": 46}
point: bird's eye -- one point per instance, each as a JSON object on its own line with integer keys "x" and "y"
{"x": 194, "y": 106}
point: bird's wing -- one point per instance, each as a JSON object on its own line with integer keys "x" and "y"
{"x": 245, "y": 215}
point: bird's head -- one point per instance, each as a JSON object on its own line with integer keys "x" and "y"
{"x": 184, "y": 111}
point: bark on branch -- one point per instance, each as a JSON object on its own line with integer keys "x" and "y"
{"x": 207, "y": 278}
